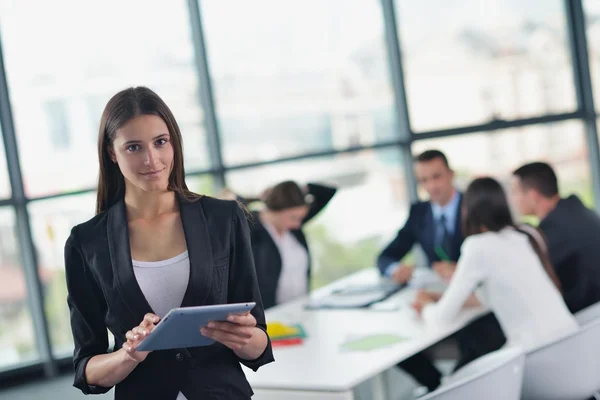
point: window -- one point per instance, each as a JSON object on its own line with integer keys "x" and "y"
{"x": 468, "y": 62}
{"x": 592, "y": 19}
{"x": 4, "y": 181}
{"x": 203, "y": 184}
{"x": 17, "y": 337}
{"x": 51, "y": 223}
{"x": 62, "y": 74}
{"x": 298, "y": 76}
{"x": 57, "y": 124}
{"x": 370, "y": 206}
{"x": 498, "y": 153}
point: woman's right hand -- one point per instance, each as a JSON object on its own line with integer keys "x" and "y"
{"x": 136, "y": 335}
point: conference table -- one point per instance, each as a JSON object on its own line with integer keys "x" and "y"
{"x": 320, "y": 368}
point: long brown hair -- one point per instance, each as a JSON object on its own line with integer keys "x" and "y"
{"x": 485, "y": 205}
{"x": 120, "y": 109}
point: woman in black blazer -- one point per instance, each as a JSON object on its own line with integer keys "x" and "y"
{"x": 146, "y": 213}
{"x": 278, "y": 228}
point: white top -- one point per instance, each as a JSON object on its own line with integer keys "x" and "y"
{"x": 163, "y": 284}
{"x": 512, "y": 283}
{"x": 293, "y": 280}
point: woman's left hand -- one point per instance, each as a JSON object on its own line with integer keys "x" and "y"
{"x": 235, "y": 333}
{"x": 423, "y": 298}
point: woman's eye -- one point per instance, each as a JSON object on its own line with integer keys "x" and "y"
{"x": 133, "y": 147}
{"x": 161, "y": 142}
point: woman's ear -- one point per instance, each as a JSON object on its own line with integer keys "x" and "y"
{"x": 111, "y": 154}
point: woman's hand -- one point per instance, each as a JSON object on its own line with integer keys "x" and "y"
{"x": 235, "y": 333}
{"x": 423, "y": 298}
{"x": 445, "y": 269}
{"x": 136, "y": 335}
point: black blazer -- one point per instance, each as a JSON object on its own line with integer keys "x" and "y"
{"x": 420, "y": 228}
{"x": 104, "y": 293}
{"x": 266, "y": 254}
{"x": 572, "y": 231}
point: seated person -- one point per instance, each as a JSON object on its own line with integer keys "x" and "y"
{"x": 436, "y": 226}
{"x": 509, "y": 270}
{"x": 281, "y": 253}
{"x": 571, "y": 229}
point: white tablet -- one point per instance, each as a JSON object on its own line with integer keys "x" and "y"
{"x": 180, "y": 328}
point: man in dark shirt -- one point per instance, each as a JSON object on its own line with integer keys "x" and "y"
{"x": 572, "y": 232}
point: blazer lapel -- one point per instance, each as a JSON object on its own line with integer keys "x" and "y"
{"x": 120, "y": 257}
{"x": 429, "y": 235}
{"x": 195, "y": 227}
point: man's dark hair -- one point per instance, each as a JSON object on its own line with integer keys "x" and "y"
{"x": 430, "y": 155}
{"x": 539, "y": 176}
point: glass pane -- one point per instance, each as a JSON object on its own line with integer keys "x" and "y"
{"x": 292, "y": 77}
{"x": 369, "y": 207}
{"x": 51, "y": 223}
{"x": 17, "y": 337}
{"x": 203, "y": 184}
{"x": 592, "y": 19}
{"x": 5, "y": 190}
{"x": 467, "y": 62}
{"x": 499, "y": 153}
{"x": 61, "y": 80}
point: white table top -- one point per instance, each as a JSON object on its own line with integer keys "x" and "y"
{"x": 320, "y": 364}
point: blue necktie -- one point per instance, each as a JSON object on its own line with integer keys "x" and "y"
{"x": 444, "y": 238}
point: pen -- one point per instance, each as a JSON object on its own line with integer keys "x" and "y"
{"x": 441, "y": 253}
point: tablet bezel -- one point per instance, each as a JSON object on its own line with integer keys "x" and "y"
{"x": 179, "y": 319}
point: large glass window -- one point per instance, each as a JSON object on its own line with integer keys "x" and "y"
{"x": 468, "y": 62}
{"x": 292, "y": 77}
{"x": 4, "y": 181}
{"x": 498, "y": 153}
{"x": 51, "y": 223}
{"x": 202, "y": 184}
{"x": 17, "y": 337}
{"x": 370, "y": 206}
{"x": 62, "y": 71}
{"x": 592, "y": 20}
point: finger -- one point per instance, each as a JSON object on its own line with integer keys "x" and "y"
{"x": 138, "y": 330}
{"x": 150, "y": 319}
{"x": 129, "y": 347}
{"x": 223, "y": 336}
{"x": 245, "y": 320}
{"x": 240, "y": 330}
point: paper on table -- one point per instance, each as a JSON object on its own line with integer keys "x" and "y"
{"x": 372, "y": 342}
{"x": 425, "y": 278}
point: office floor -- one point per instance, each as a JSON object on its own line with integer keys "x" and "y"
{"x": 57, "y": 388}
{"x": 61, "y": 388}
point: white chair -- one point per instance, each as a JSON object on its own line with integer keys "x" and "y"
{"x": 588, "y": 314}
{"x": 495, "y": 376}
{"x": 568, "y": 369}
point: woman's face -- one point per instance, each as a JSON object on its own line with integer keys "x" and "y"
{"x": 143, "y": 151}
{"x": 290, "y": 218}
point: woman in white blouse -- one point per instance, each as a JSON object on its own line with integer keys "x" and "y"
{"x": 509, "y": 271}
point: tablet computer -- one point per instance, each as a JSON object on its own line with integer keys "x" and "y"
{"x": 180, "y": 328}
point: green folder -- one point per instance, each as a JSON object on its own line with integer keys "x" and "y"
{"x": 372, "y": 342}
